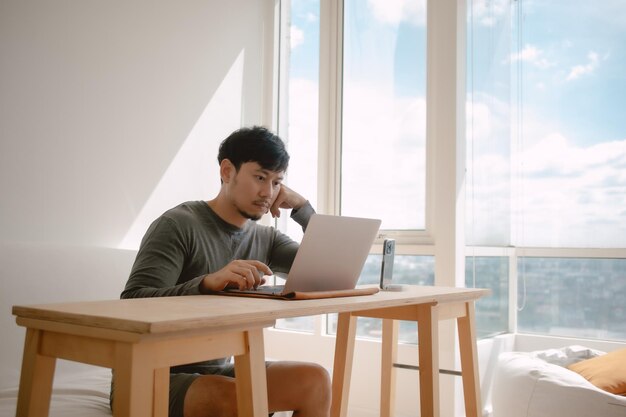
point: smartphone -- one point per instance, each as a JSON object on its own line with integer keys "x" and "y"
{"x": 386, "y": 271}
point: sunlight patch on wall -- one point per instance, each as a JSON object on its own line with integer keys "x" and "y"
{"x": 193, "y": 173}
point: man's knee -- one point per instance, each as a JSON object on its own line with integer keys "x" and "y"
{"x": 211, "y": 396}
{"x": 319, "y": 373}
{"x": 299, "y": 381}
{"x": 317, "y": 380}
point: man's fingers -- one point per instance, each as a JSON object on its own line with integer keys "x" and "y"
{"x": 244, "y": 277}
{"x": 243, "y": 274}
{"x": 263, "y": 269}
{"x": 275, "y": 208}
{"x": 250, "y": 274}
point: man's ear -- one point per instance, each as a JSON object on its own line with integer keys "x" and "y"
{"x": 227, "y": 170}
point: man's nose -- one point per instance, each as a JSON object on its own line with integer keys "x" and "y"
{"x": 266, "y": 190}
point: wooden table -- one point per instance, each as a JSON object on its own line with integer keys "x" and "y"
{"x": 141, "y": 338}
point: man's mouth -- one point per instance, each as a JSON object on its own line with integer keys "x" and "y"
{"x": 262, "y": 204}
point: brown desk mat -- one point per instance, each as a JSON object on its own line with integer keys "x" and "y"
{"x": 302, "y": 295}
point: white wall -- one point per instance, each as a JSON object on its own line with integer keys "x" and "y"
{"x": 110, "y": 113}
{"x": 97, "y": 99}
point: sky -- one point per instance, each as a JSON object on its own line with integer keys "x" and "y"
{"x": 557, "y": 86}
{"x": 546, "y": 125}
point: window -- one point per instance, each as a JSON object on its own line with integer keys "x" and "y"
{"x": 579, "y": 297}
{"x": 298, "y": 95}
{"x": 492, "y": 312}
{"x": 383, "y": 152}
{"x": 570, "y": 174}
{"x": 298, "y": 110}
{"x": 489, "y": 154}
{"x": 489, "y": 124}
{"x": 572, "y": 133}
{"x": 546, "y": 151}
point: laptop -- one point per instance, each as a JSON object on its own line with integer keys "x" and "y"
{"x": 329, "y": 261}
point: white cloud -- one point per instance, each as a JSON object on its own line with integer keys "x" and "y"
{"x": 532, "y": 55}
{"x": 296, "y": 37}
{"x": 396, "y": 11}
{"x": 588, "y": 68}
{"x": 556, "y": 156}
{"x": 384, "y": 138}
{"x": 302, "y": 137}
{"x": 529, "y": 53}
{"x": 574, "y": 195}
{"x": 486, "y": 118}
{"x": 553, "y": 192}
{"x": 488, "y": 12}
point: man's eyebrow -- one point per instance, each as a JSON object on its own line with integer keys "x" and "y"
{"x": 280, "y": 176}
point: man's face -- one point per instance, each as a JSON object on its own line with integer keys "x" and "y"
{"x": 253, "y": 189}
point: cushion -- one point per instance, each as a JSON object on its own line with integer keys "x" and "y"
{"x": 567, "y": 355}
{"x": 525, "y": 385}
{"x": 607, "y": 372}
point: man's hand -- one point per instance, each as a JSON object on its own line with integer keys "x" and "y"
{"x": 242, "y": 274}
{"x": 286, "y": 199}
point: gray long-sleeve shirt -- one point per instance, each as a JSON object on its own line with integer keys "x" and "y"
{"x": 191, "y": 240}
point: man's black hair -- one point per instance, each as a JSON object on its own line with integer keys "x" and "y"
{"x": 254, "y": 144}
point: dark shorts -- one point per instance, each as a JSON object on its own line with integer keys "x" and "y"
{"x": 182, "y": 380}
{"x": 180, "y": 383}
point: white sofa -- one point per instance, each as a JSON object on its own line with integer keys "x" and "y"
{"x": 538, "y": 384}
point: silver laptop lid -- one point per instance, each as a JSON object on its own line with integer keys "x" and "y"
{"x": 332, "y": 253}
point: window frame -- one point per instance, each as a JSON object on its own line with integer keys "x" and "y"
{"x": 445, "y": 79}
{"x": 443, "y": 236}
{"x": 330, "y": 131}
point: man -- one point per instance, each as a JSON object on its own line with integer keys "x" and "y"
{"x": 205, "y": 246}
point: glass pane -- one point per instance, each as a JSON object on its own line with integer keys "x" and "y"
{"x": 297, "y": 324}
{"x": 299, "y": 109}
{"x": 488, "y": 125}
{"x": 368, "y": 328}
{"x": 384, "y": 112}
{"x": 407, "y": 269}
{"x": 572, "y": 77}
{"x": 492, "y": 312}
{"x": 298, "y": 96}
{"x": 573, "y": 297}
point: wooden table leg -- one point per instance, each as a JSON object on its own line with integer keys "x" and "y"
{"x": 134, "y": 375}
{"x": 342, "y": 368}
{"x": 251, "y": 378}
{"x": 388, "y": 372}
{"x": 161, "y": 396}
{"x": 428, "y": 345}
{"x": 469, "y": 362}
{"x": 36, "y": 379}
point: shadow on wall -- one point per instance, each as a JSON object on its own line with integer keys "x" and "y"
{"x": 193, "y": 173}
{"x": 108, "y": 107}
